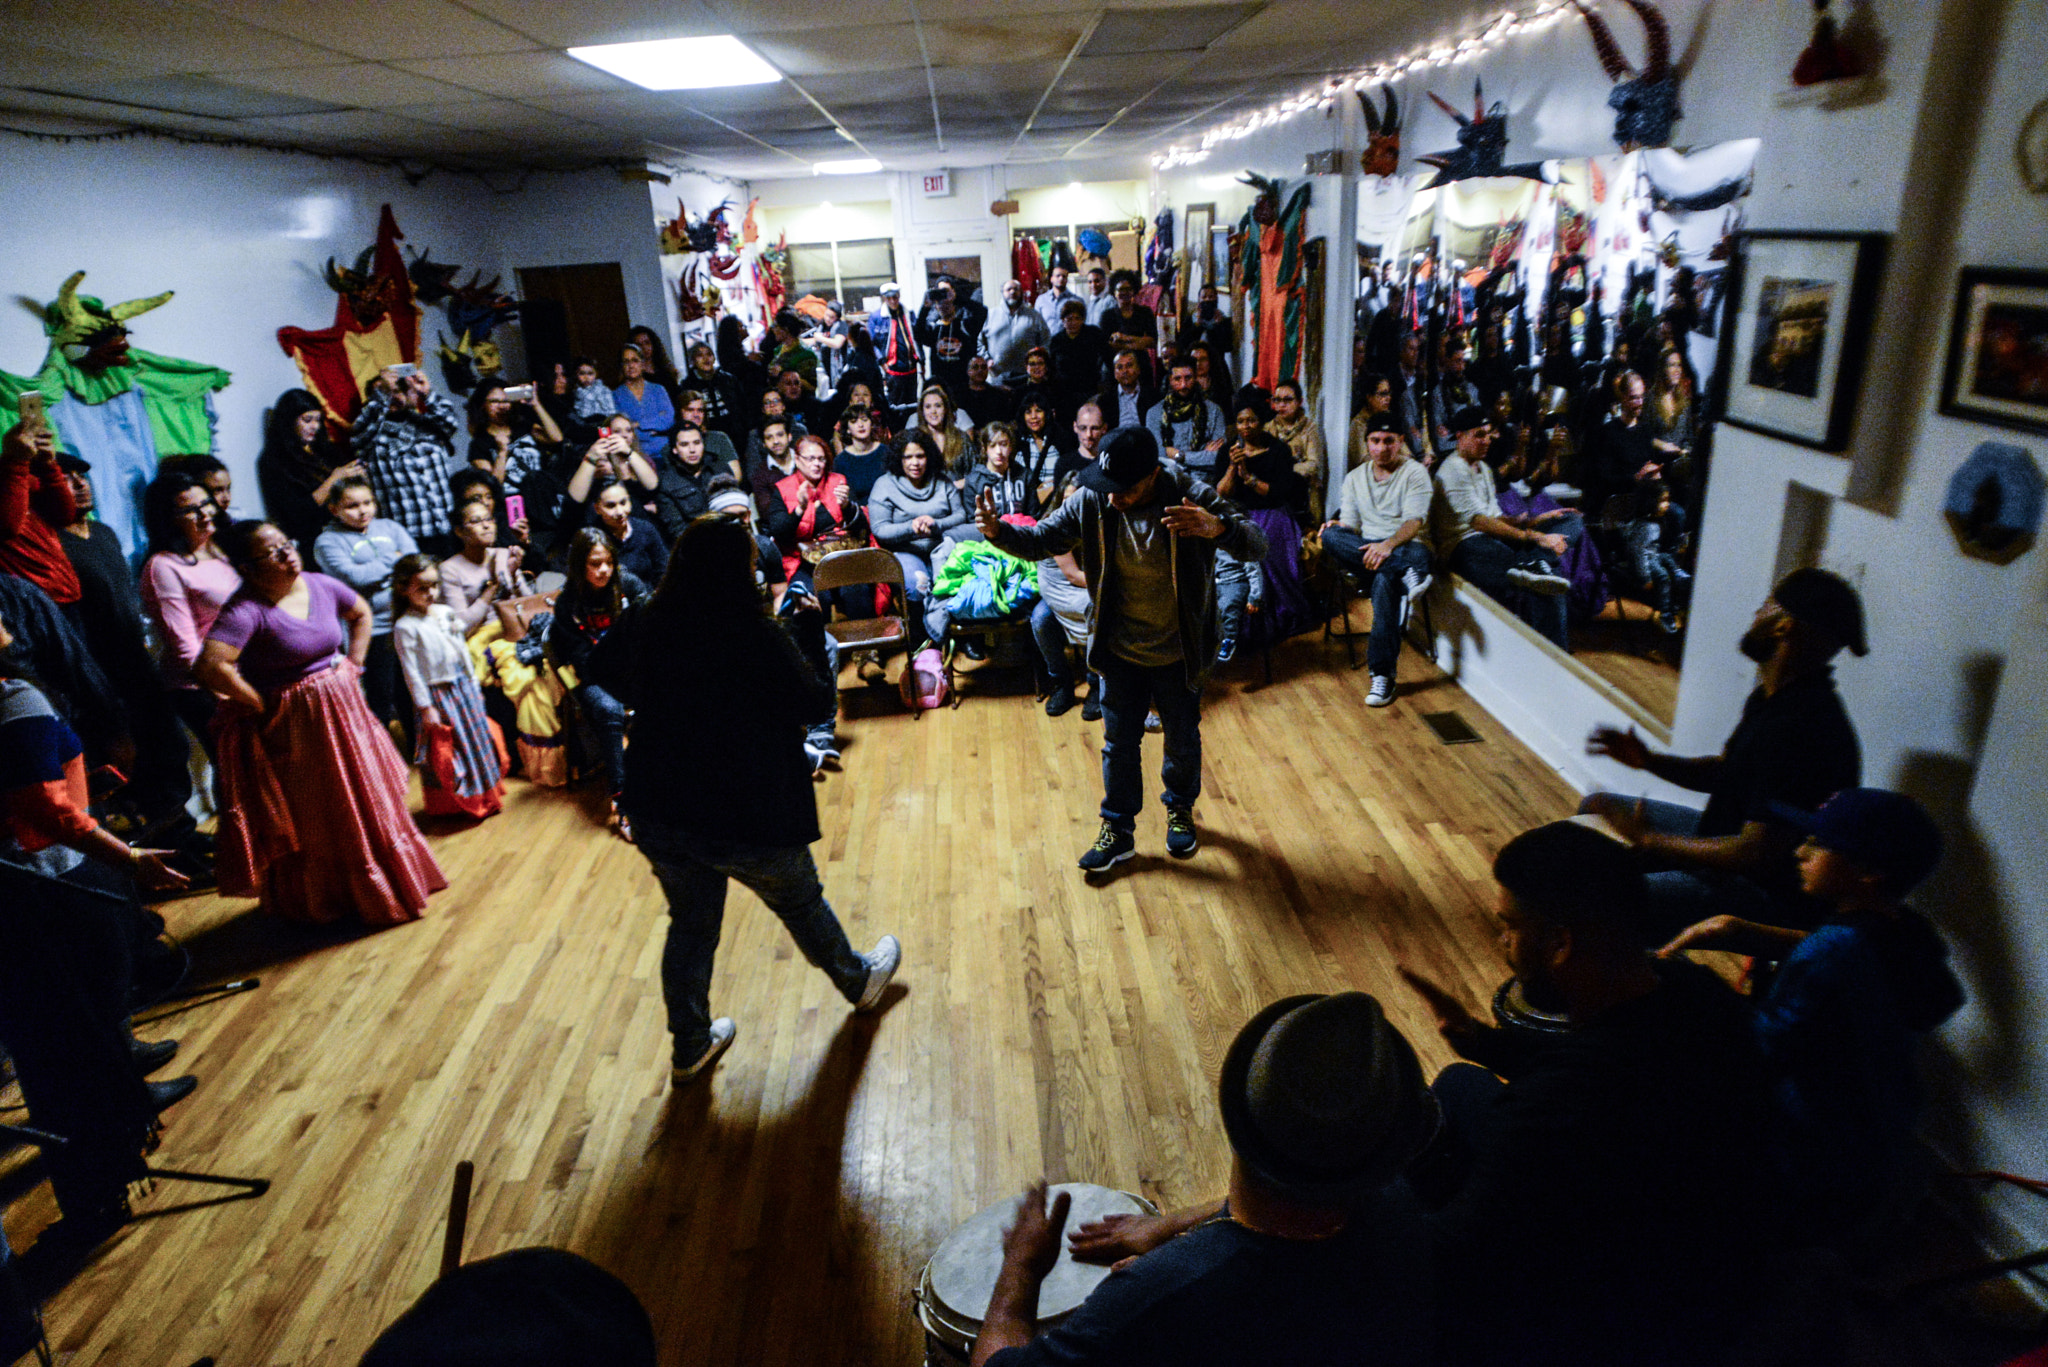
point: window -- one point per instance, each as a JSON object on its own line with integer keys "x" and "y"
{"x": 852, "y": 272}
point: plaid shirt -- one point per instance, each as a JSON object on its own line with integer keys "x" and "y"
{"x": 407, "y": 454}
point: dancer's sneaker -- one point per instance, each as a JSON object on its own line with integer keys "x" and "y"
{"x": 1382, "y": 691}
{"x": 1060, "y": 701}
{"x": 722, "y": 1032}
{"x": 1182, "y": 839}
{"x": 881, "y": 961}
{"x": 1111, "y": 848}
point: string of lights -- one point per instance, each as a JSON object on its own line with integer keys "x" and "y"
{"x": 413, "y": 169}
{"x": 1490, "y": 35}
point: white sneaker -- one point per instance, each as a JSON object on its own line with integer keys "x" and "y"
{"x": 1152, "y": 722}
{"x": 1535, "y": 577}
{"x": 1382, "y": 691}
{"x": 881, "y": 961}
{"x": 1415, "y": 583}
{"x": 722, "y": 1032}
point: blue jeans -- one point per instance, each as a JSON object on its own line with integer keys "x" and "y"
{"x": 607, "y": 717}
{"x": 1485, "y": 562}
{"x": 1128, "y": 692}
{"x": 693, "y": 874}
{"x": 1239, "y": 586}
{"x": 1345, "y": 547}
{"x": 1051, "y": 638}
{"x": 1682, "y": 897}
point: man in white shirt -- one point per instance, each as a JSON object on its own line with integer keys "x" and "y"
{"x": 1048, "y": 303}
{"x": 1517, "y": 566}
{"x": 1376, "y": 541}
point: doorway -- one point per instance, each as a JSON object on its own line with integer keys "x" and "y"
{"x": 571, "y": 311}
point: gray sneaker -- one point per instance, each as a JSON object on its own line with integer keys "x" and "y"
{"x": 881, "y": 961}
{"x": 722, "y": 1032}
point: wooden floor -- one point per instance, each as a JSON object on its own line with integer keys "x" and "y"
{"x": 1623, "y": 646}
{"x": 779, "y": 1214}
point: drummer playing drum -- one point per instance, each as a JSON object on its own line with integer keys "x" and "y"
{"x": 1309, "y": 1259}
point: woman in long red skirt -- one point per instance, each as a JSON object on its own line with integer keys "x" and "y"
{"x": 315, "y": 821}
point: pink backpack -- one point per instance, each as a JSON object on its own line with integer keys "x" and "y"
{"x": 924, "y": 680}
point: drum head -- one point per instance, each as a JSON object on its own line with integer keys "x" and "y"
{"x": 963, "y": 1271}
{"x": 1511, "y": 1010}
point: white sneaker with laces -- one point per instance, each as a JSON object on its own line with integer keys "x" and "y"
{"x": 881, "y": 961}
{"x": 722, "y": 1032}
{"x": 1536, "y": 577}
{"x": 1382, "y": 692}
{"x": 1415, "y": 583}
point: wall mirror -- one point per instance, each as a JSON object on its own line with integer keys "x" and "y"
{"x": 1576, "y": 307}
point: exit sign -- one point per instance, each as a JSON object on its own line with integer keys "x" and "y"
{"x": 938, "y": 184}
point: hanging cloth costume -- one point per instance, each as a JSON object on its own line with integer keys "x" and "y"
{"x": 376, "y": 324}
{"x": 1278, "y": 316}
{"x": 122, "y": 419}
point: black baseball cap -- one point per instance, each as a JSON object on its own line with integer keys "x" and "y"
{"x": 1466, "y": 418}
{"x": 1824, "y": 600}
{"x": 1382, "y": 422}
{"x": 72, "y": 464}
{"x": 1879, "y": 829}
{"x": 1127, "y": 456}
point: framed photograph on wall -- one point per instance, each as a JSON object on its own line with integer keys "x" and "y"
{"x": 1797, "y": 332}
{"x": 1998, "y": 349}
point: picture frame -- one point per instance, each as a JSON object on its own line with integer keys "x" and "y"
{"x": 1797, "y": 333}
{"x": 1997, "y": 369}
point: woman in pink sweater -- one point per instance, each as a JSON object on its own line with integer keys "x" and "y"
{"x": 184, "y": 583}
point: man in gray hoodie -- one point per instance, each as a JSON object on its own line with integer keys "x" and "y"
{"x": 1146, "y": 534}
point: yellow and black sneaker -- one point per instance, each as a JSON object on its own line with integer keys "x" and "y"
{"x": 1111, "y": 848}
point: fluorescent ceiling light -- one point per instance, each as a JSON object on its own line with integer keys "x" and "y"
{"x": 681, "y": 63}
{"x": 859, "y": 166}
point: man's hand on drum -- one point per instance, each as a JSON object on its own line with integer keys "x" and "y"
{"x": 1453, "y": 1020}
{"x": 1032, "y": 1245}
{"x": 1118, "y": 1239}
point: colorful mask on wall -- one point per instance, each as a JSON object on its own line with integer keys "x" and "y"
{"x": 90, "y": 334}
{"x": 1382, "y": 155}
{"x": 1645, "y": 103}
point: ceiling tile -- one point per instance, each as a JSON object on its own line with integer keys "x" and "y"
{"x": 777, "y": 16}
{"x": 590, "y": 22}
{"x": 377, "y": 29}
{"x": 842, "y": 51}
{"x": 518, "y": 75}
{"x": 362, "y": 84}
{"x": 737, "y": 103}
{"x": 500, "y": 115}
{"x": 1024, "y": 78}
{"x": 1121, "y": 77}
{"x": 867, "y": 87}
{"x": 186, "y": 94}
{"x": 158, "y": 35}
{"x": 980, "y": 42}
{"x": 1185, "y": 30}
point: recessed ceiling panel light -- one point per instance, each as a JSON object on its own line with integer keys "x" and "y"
{"x": 681, "y": 63}
{"x": 859, "y": 166}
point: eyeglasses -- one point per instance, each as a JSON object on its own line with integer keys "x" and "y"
{"x": 201, "y": 511}
{"x": 279, "y": 555}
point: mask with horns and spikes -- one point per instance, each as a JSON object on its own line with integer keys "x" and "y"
{"x": 90, "y": 334}
{"x": 1382, "y": 155}
{"x": 1645, "y": 103}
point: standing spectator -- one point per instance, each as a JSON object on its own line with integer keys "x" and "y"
{"x": 1012, "y": 332}
{"x": 951, "y": 334}
{"x": 724, "y": 411}
{"x": 1794, "y": 747}
{"x": 1209, "y": 326}
{"x": 186, "y": 581}
{"x": 1147, "y": 535}
{"x": 35, "y": 500}
{"x": 1055, "y": 298}
{"x": 314, "y": 819}
{"x": 360, "y": 548}
{"x": 830, "y": 339}
{"x": 590, "y": 605}
{"x": 1098, "y": 300}
{"x": 791, "y": 356}
{"x": 435, "y": 660}
{"x": 1376, "y": 541}
{"x": 896, "y": 346}
{"x": 643, "y": 399}
{"x": 1190, "y": 427}
{"x": 704, "y": 649}
{"x": 506, "y": 437}
{"x": 299, "y": 465}
{"x": 405, "y": 439}
{"x": 1130, "y": 325}
{"x": 860, "y": 365}
{"x": 1517, "y": 566}
{"x": 110, "y": 612}
{"x": 1079, "y": 354}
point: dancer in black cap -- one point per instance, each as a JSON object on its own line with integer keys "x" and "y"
{"x": 1147, "y": 534}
